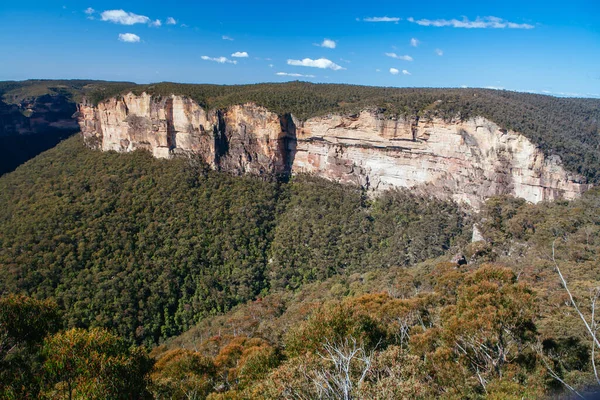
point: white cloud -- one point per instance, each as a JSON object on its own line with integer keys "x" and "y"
{"x": 479, "y": 22}
{"x": 414, "y": 42}
{"x": 394, "y": 71}
{"x": 221, "y": 60}
{"x": 171, "y": 21}
{"x": 327, "y": 43}
{"x": 271, "y": 65}
{"x": 381, "y": 19}
{"x": 397, "y": 57}
{"x": 294, "y": 75}
{"x": 439, "y": 52}
{"x": 123, "y": 17}
{"x": 129, "y": 37}
{"x": 227, "y": 38}
{"x": 89, "y": 11}
{"x": 405, "y": 72}
{"x": 320, "y": 63}
{"x": 377, "y": 70}
{"x": 240, "y": 54}
{"x": 156, "y": 23}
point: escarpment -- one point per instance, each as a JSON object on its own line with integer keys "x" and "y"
{"x": 239, "y": 139}
{"x": 467, "y": 160}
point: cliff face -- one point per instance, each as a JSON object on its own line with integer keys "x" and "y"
{"x": 466, "y": 160}
{"x": 240, "y": 139}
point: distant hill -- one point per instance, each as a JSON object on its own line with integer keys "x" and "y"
{"x": 35, "y": 115}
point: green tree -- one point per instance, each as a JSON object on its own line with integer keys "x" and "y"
{"x": 183, "y": 374}
{"x": 94, "y": 364}
{"x": 24, "y": 322}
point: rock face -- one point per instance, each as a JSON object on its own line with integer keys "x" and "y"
{"x": 241, "y": 139}
{"x": 468, "y": 161}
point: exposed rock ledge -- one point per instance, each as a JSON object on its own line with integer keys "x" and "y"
{"x": 467, "y": 160}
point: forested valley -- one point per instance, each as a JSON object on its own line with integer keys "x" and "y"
{"x": 123, "y": 276}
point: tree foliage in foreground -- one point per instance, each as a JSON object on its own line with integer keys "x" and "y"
{"x": 24, "y": 322}
{"x": 501, "y": 326}
{"x": 473, "y": 336}
{"x": 94, "y": 364}
{"x": 38, "y": 362}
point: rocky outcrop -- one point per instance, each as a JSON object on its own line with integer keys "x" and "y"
{"x": 241, "y": 139}
{"x": 468, "y": 160}
{"x": 465, "y": 160}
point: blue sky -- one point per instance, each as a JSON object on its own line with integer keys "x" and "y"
{"x": 541, "y": 46}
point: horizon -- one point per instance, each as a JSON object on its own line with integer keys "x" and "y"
{"x": 557, "y": 95}
{"x": 539, "y": 47}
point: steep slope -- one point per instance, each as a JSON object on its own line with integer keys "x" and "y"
{"x": 149, "y": 247}
{"x": 440, "y": 327}
{"x": 567, "y": 127}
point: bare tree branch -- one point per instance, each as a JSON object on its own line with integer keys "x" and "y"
{"x": 572, "y": 300}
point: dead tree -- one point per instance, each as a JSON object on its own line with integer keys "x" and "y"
{"x": 350, "y": 365}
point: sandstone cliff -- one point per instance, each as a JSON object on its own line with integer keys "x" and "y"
{"x": 466, "y": 160}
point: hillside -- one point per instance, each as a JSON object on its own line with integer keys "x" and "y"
{"x": 260, "y": 277}
{"x": 150, "y": 247}
{"x": 252, "y": 286}
{"x": 499, "y": 325}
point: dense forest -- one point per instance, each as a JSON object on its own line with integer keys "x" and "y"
{"x": 511, "y": 316}
{"x": 150, "y": 247}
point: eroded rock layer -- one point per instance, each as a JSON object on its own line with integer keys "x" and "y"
{"x": 466, "y": 160}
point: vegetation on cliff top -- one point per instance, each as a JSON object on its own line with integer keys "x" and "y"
{"x": 568, "y": 127}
